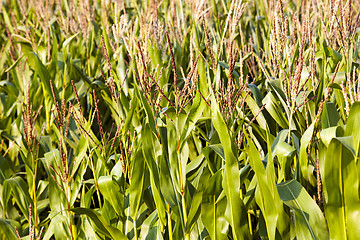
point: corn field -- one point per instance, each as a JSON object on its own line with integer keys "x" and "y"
{"x": 166, "y": 119}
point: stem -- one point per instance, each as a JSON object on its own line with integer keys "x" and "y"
{"x": 184, "y": 206}
{"x": 169, "y": 223}
{"x": 184, "y": 214}
{"x": 135, "y": 231}
{"x": 250, "y": 225}
{"x": 181, "y": 178}
{"x": 290, "y": 121}
{"x": 98, "y": 193}
{"x": 34, "y": 168}
{"x": 214, "y": 219}
{"x": 67, "y": 193}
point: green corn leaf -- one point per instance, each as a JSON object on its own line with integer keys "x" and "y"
{"x": 341, "y": 184}
{"x": 213, "y": 210}
{"x": 167, "y": 185}
{"x": 305, "y": 177}
{"x": 263, "y": 193}
{"x": 137, "y": 183}
{"x": 67, "y": 41}
{"x": 309, "y": 220}
{"x": 329, "y": 116}
{"x": 110, "y": 189}
{"x": 353, "y": 126}
{"x": 100, "y": 223}
{"x": 196, "y": 202}
{"x": 20, "y": 193}
{"x": 231, "y": 183}
{"x": 6, "y": 230}
{"x": 148, "y": 151}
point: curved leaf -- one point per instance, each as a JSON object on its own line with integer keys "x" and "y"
{"x": 6, "y": 231}
{"x": 110, "y": 189}
{"x": 309, "y": 220}
{"x": 100, "y": 223}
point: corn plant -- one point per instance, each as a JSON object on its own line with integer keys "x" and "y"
{"x": 179, "y": 119}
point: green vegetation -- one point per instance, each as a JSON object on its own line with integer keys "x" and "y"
{"x": 179, "y": 119}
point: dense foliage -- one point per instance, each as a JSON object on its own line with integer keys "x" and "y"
{"x": 165, "y": 119}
